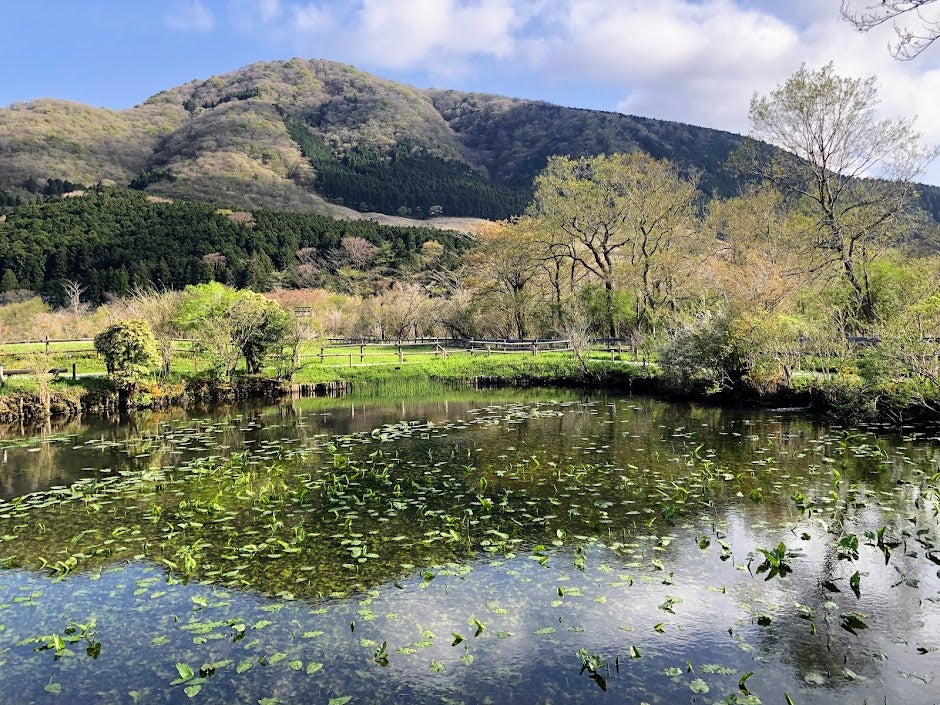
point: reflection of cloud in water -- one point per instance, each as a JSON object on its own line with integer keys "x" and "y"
{"x": 599, "y": 609}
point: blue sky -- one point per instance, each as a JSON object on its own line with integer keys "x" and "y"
{"x": 696, "y": 61}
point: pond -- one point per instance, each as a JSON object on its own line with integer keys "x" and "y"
{"x": 536, "y": 546}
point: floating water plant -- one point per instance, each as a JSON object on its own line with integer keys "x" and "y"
{"x": 775, "y": 561}
{"x": 274, "y": 557}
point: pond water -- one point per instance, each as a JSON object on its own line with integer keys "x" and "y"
{"x": 538, "y": 546}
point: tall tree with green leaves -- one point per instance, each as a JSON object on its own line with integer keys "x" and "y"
{"x": 852, "y": 171}
{"x": 231, "y": 325}
{"x": 502, "y": 269}
{"x": 613, "y": 211}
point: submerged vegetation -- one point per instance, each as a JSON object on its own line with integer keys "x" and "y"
{"x": 624, "y": 545}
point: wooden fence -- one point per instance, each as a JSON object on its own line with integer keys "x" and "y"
{"x": 344, "y": 351}
{"x": 54, "y": 371}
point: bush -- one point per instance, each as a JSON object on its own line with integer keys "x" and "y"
{"x": 231, "y": 325}
{"x": 706, "y": 353}
{"x": 129, "y": 351}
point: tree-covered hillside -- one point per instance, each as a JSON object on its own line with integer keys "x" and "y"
{"x": 112, "y": 240}
{"x": 409, "y": 181}
{"x": 512, "y": 139}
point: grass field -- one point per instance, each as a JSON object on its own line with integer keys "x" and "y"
{"x": 317, "y": 362}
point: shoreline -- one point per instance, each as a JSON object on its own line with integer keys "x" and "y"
{"x": 839, "y": 399}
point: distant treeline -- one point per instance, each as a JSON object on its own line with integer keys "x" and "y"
{"x": 112, "y": 240}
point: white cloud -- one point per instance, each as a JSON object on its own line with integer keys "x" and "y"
{"x": 408, "y": 33}
{"x": 269, "y": 10}
{"x": 310, "y": 18}
{"x": 190, "y": 17}
{"x": 429, "y": 35}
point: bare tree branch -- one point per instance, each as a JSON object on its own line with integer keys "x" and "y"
{"x": 918, "y": 30}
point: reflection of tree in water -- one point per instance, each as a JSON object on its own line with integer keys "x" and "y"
{"x": 447, "y": 479}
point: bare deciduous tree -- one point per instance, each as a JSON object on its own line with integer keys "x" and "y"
{"x": 73, "y": 292}
{"x": 159, "y": 310}
{"x": 307, "y": 275}
{"x": 216, "y": 263}
{"x": 854, "y": 170}
{"x": 358, "y": 251}
{"x": 400, "y": 311}
{"x": 308, "y": 255}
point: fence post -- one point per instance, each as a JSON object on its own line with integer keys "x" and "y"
{"x": 321, "y": 354}
{"x": 401, "y": 355}
{"x": 74, "y": 376}
{"x": 488, "y": 349}
{"x": 535, "y": 349}
{"x": 362, "y": 353}
{"x": 47, "y": 345}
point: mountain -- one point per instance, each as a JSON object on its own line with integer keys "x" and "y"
{"x": 322, "y": 137}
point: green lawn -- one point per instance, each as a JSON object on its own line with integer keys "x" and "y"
{"x": 338, "y": 362}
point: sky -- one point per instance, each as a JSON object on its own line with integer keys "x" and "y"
{"x": 694, "y": 61}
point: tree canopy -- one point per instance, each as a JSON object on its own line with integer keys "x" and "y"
{"x": 625, "y": 210}
{"x": 230, "y": 325}
{"x": 853, "y": 171}
{"x": 115, "y": 240}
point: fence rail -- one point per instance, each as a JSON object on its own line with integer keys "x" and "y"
{"x": 54, "y": 371}
{"x": 338, "y": 352}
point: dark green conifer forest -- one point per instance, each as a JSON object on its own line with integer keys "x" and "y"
{"x": 112, "y": 240}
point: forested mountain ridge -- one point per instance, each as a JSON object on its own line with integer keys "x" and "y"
{"x": 511, "y": 139}
{"x": 318, "y": 136}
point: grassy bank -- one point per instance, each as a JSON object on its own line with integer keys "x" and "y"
{"x": 22, "y": 398}
{"x": 845, "y": 397}
{"x": 545, "y": 368}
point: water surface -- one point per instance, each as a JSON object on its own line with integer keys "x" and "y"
{"x": 539, "y": 546}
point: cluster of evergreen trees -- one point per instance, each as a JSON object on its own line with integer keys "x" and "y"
{"x": 52, "y": 187}
{"x": 113, "y": 240}
{"x": 8, "y": 200}
{"x": 408, "y": 181}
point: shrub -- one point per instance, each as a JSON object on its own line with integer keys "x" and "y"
{"x": 129, "y": 351}
{"x": 707, "y": 352}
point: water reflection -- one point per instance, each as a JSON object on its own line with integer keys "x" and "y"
{"x": 478, "y": 542}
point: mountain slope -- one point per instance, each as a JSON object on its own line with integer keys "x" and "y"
{"x": 512, "y": 139}
{"x": 318, "y": 136}
{"x": 75, "y": 142}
